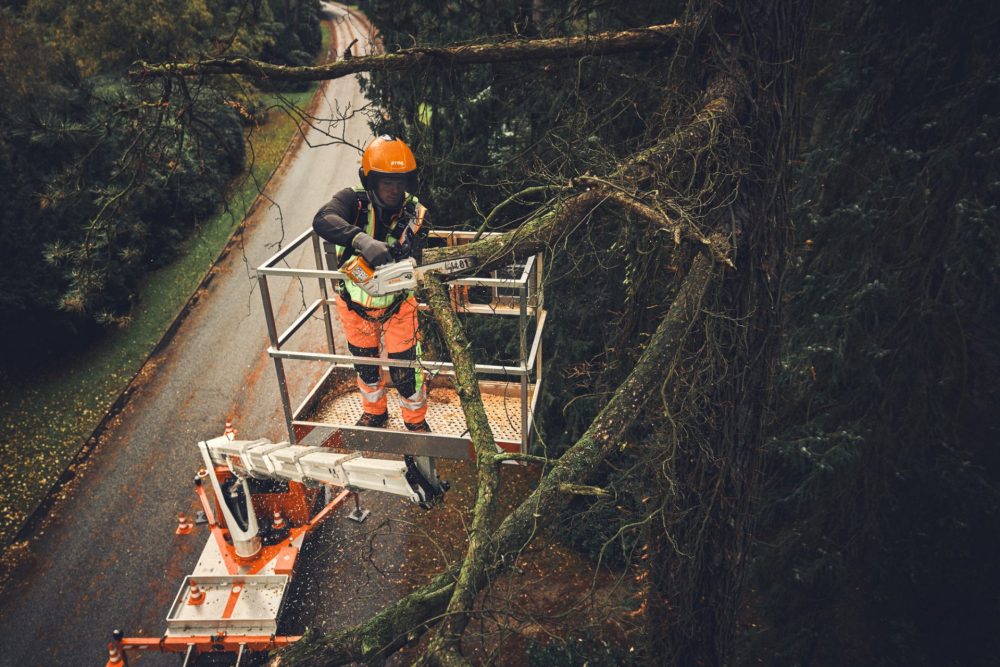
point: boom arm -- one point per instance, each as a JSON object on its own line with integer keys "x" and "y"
{"x": 263, "y": 459}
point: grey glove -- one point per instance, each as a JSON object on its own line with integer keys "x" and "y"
{"x": 376, "y": 252}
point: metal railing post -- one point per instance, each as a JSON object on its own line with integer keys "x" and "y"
{"x": 272, "y": 332}
{"x": 318, "y": 253}
{"x": 523, "y": 326}
{"x": 539, "y": 298}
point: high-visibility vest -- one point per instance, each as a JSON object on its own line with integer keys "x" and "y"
{"x": 358, "y": 295}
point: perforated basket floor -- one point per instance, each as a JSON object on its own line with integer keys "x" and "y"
{"x": 444, "y": 412}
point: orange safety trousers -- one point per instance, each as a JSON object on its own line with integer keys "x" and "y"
{"x": 401, "y": 338}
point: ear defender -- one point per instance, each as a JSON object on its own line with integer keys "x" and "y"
{"x": 364, "y": 179}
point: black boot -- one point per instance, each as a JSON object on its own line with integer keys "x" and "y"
{"x": 422, "y": 427}
{"x": 372, "y": 420}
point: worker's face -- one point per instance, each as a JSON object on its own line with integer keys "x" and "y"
{"x": 391, "y": 190}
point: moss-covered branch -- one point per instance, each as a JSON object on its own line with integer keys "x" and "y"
{"x": 584, "y": 490}
{"x": 537, "y": 234}
{"x": 491, "y": 550}
{"x": 378, "y": 637}
{"x": 608, "y": 428}
{"x": 389, "y": 630}
{"x": 443, "y": 649}
{"x": 625, "y": 41}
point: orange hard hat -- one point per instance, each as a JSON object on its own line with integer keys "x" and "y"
{"x": 388, "y": 156}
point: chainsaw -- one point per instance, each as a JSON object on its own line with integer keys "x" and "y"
{"x": 400, "y": 275}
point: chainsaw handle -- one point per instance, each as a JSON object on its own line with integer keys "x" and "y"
{"x": 410, "y": 245}
{"x": 374, "y": 251}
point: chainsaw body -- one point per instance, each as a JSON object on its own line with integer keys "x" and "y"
{"x": 401, "y": 275}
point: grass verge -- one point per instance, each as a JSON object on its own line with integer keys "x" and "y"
{"x": 48, "y": 416}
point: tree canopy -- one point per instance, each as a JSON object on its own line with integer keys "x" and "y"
{"x": 103, "y": 178}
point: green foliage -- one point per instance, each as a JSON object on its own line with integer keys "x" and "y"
{"x": 118, "y": 179}
{"x": 48, "y": 410}
{"x": 486, "y": 132}
{"x": 108, "y": 35}
{"x": 293, "y": 38}
{"x": 881, "y": 473}
{"x": 881, "y": 500}
{"x": 105, "y": 178}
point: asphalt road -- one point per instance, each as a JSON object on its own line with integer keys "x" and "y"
{"x": 108, "y": 556}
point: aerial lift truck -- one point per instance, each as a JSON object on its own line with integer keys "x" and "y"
{"x": 260, "y": 500}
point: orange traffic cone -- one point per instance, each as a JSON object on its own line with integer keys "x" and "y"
{"x": 230, "y": 432}
{"x": 196, "y": 596}
{"x": 183, "y": 525}
{"x": 114, "y": 655}
{"x": 278, "y": 522}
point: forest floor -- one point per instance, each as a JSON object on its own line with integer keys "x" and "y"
{"x": 554, "y": 601}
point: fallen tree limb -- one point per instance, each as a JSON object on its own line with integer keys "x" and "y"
{"x": 378, "y": 637}
{"x": 409, "y": 617}
{"x": 605, "y": 43}
{"x": 444, "y": 648}
{"x": 607, "y": 429}
{"x": 537, "y": 234}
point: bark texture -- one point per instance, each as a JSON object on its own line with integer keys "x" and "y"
{"x": 606, "y": 43}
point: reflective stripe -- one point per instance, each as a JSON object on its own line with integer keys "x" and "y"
{"x": 418, "y": 401}
{"x": 415, "y": 402}
{"x": 418, "y": 376}
{"x": 369, "y": 393}
{"x": 418, "y": 219}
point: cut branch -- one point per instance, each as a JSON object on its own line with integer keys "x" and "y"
{"x": 584, "y": 490}
{"x": 605, "y": 43}
{"x": 535, "y": 235}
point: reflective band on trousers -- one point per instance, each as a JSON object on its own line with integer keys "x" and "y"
{"x": 415, "y": 402}
{"x": 371, "y": 394}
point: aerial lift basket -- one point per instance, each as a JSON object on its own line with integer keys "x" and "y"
{"x": 327, "y": 412}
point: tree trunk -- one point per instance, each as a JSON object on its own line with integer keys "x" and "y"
{"x": 698, "y": 556}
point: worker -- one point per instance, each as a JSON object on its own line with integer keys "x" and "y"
{"x": 383, "y": 222}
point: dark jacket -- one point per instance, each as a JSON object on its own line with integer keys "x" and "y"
{"x": 337, "y": 221}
